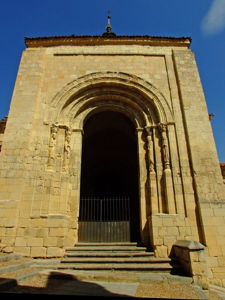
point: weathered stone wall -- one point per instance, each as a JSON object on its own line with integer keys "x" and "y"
{"x": 158, "y": 87}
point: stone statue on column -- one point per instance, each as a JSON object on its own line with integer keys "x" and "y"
{"x": 168, "y": 182}
{"x": 151, "y": 172}
{"x": 67, "y": 148}
{"x": 52, "y": 145}
{"x": 165, "y": 148}
{"x": 150, "y": 150}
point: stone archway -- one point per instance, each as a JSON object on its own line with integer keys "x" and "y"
{"x": 151, "y": 116}
{"x": 109, "y": 197}
{"x": 130, "y": 90}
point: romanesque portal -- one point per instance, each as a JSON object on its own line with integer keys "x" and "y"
{"x": 108, "y": 139}
{"x": 109, "y": 197}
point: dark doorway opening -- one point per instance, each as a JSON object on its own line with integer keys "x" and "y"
{"x": 109, "y": 179}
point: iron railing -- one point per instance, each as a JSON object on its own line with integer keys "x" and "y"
{"x": 104, "y": 209}
{"x": 104, "y": 219}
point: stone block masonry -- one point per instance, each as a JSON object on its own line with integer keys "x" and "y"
{"x": 153, "y": 82}
{"x": 44, "y": 236}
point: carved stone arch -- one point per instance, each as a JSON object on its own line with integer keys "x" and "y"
{"x": 137, "y": 119}
{"x": 135, "y": 90}
{"x": 114, "y": 103}
{"x": 133, "y": 97}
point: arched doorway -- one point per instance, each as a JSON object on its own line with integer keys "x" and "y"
{"x": 109, "y": 201}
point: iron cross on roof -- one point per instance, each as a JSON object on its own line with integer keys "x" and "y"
{"x": 109, "y": 27}
{"x": 109, "y": 33}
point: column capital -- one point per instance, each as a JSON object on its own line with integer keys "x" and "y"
{"x": 162, "y": 127}
{"x": 148, "y": 129}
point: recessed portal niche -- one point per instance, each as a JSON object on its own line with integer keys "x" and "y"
{"x": 109, "y": 179}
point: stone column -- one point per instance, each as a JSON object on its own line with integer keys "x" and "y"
{"x": 142, "y": 186}
{"x": 151, "y": 172}
{"x": 75, "y": 180}
{"x": 169, "y": 193}
{"x": 176, "y": 171}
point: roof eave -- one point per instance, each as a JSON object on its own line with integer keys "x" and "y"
{"x": 104, "y": 40}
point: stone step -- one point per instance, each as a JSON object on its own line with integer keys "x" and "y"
{"x": 147, "y": 260}
{"x": 15, "y": 267}
{"x": 10, "y": 257}
{"x": 112, "y": 256}
{"x": 108, "y": 254}
{"x": 23, "y": 274}
{"x": 162, "y": 267}
{"x": 106, "y": 248}
{"x": 81, "y": 244}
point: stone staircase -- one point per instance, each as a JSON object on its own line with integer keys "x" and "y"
{"x": 86, "y": 261}
{"x": 113, "y": 256}
{"x": 14, "y": 268}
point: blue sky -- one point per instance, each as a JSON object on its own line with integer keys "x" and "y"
{"x": 203, "y": 20}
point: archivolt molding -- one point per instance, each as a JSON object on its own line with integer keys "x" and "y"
{"x": 110, "y": 90}
{"x": 137, "y": 117}
{"x": 108, "y": 101}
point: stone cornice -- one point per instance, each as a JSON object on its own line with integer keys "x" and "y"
{"x": 100, "y": 40}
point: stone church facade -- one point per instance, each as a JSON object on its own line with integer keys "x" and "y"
{"x": 95, "y": 115}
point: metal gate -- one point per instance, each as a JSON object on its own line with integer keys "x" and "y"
{"x": 104, "y": 219}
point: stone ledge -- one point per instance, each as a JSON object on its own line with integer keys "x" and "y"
{"x": 190, "y": 245}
